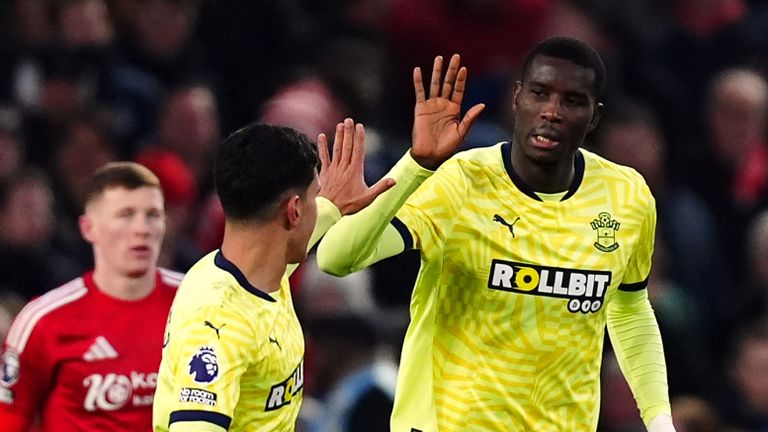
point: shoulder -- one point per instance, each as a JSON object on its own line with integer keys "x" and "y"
{"x": 478, "y": 157}
{"x": 474, "y": 163}
{"x": 42, "y": 309}
{"x": 617, "y": 176}
{"x": 596, "y": 164}
{"x": 170, "y": 278}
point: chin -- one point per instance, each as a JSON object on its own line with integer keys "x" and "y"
{"x": 298, "y": 258}
{"x": 543, "y": 156}
{"x": 138, "y": 270}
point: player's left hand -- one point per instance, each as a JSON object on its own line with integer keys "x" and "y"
{"x": 661, "y": 423}
{"x": 341, "y": 178}
{"x": 438, "y": 129}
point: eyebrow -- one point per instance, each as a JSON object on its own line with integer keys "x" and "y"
{"x": 585, "y": 94}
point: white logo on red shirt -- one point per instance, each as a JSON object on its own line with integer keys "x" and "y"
{"x": 112, "y": 391}
{"x": 101, "y": 349}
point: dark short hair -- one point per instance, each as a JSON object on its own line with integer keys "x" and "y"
{"x": 128, "y": 175}
{"x": 570, "y": 49}
{"x": 257, "y": 164}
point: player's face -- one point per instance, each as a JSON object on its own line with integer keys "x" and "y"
{"x": 306, "y": 223}
{"x": 554, "y": 109}
{"x": 126, "y": 229}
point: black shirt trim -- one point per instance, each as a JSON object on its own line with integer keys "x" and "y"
{"x": 637, "y": 286}
{"x": 227, "y": 265}
{"x": 578, "y": 176}
{"x": 404, "y": 233}
{"x": 218, "y": 419}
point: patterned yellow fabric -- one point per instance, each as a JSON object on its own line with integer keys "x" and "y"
{"x": 508, "y": 313}
{"x": 230, "y": 356}
{"x": 233, "y": 358}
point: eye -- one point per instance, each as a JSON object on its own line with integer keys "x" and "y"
{"x": 576, "y": 101}
{"x": 538, "y": 92}
{"x": 155, "y": 214}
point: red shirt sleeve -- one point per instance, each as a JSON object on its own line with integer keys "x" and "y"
{"x": 25, "y": 376}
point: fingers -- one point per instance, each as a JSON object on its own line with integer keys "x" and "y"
{"x": 322, "y": 150}
{"x": 418, "y": 85}
{"x": 450, "y": 76}
{"x": 348, "y": 145}
{"x": 348, "y": 142}
{"x": 374, "y": 191}
{"x": 382, "y": 186}
{"x": 437, "y": 72}
{"x": 454, "y": 77}
{"x": 379, "y": 188}
{"x": 469, "y": 119}
{"x": 358, "y": 151}
{"x": 461, "y": 82}
{"x": 338, "y": 143}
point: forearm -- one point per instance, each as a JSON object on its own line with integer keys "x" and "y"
{"x": 327, "y": 215}
{"x": 365, "y": 237}
{"x": 636, "y": 340}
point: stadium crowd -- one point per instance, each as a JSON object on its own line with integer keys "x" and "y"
{"x": 160, "y": 82}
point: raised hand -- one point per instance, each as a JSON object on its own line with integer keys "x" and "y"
{"x": 341, "y": 178}
{"x": 437, "y": 131}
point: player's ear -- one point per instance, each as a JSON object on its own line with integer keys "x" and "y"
{"x": 516, "y": 93}
{"x": 596, "y": 114}
{"x": 86, "y": 227}
{"x": 293, "y": 211}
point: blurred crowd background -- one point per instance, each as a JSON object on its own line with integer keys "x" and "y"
{"x": 83, "y": 82}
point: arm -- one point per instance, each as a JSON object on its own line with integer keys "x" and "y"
{"x": 327, "y": 215}
{"x": 635, "y": 333}
{"x": 25, "y": 377}
{"x": 366, "y": 237}
{"x": 231, "y": 353}
{"x": 635, "y": 336}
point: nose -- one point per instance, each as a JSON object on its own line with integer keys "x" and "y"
{"x": 142, "y": 226}
{"x": 551, "y": 110}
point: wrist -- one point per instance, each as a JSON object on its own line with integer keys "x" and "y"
{"x": 427, "y": 163}
{"x": 661, "y": 423}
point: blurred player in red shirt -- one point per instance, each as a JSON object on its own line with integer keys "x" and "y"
{"x": 84, "y": 356}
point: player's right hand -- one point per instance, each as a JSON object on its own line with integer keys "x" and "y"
{"x": 437, "y": 131}
{"x": 341, "y": 178}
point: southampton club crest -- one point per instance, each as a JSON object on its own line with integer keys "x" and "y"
{"x": 606, "y": 232}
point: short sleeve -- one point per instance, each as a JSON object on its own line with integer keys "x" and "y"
{"x": 25, "y": 377}
{"x": 430, "y": 212}
{"x": 639, "y": 265}
{"x": 212, "y": 352}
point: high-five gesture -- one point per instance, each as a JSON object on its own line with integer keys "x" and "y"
{"x": 341, "y": 178}
{"x": 437, "y": 129}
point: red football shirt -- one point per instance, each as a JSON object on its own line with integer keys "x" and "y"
{"x": 85, "y": 361}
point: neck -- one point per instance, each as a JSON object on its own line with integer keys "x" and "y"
{"x": 260, "y": 252}
{"x": 543, "y": 177}
{"x": 124, "y": 287}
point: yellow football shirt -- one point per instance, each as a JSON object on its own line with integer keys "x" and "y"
{"x": 508, "y": 314}
{"x": 233, "y": 356}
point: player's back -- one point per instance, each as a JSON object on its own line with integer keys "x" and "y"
{"x": 233, "y": 355}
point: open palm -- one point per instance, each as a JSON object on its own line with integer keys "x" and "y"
{"x": 341, "y": 178}
{"x": 437, "y": 129}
